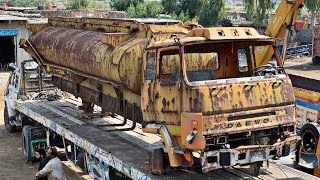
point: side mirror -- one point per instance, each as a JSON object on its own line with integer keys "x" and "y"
{"x": 12, "y": 67}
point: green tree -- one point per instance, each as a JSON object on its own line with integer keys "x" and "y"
{"x": 145, "y": 10}
{"x": 27, "y": 3}
{"x": 183, "y": 16}
{"x": 123, "y": 5}
{"x": 193, "y": 7}
{"x": 314, "y": 8}
{"x": 212, "y": 12}
{"x": 77, "y": 4}
{"x": 258, "y": 10}
{"x": 170, "y": 6}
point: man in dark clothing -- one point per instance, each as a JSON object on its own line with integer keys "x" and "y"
{"x": 41, "y": 155}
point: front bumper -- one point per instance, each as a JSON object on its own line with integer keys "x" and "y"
{"x": 242, "y": 155}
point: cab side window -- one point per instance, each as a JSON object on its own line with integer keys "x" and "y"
{"x": 242, "y": 60}
{"x": 150, "y": 69}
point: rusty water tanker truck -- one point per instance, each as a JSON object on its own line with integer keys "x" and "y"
{"x": 201, "y": 89}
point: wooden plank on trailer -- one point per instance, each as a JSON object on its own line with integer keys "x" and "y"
{"x": 71, "y": 118}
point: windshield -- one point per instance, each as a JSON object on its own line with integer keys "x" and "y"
{"x": 227, "y": 60}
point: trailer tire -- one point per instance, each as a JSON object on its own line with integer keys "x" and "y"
{"x": 157, "y": 165}
{"x": 316, "y": 60}
{"x": 26, "y": 143}
{"x": 309, "y": 138}
{"x": 10, "y": 128}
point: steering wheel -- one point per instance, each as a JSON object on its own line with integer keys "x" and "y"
{"x": 268, "y": 70}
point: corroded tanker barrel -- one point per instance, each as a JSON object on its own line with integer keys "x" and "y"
{"x": 109, "y": 49}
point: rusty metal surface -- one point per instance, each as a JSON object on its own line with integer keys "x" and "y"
{"x": 233, "y": 97}
{"x": 110, "y": 49}
{"x": 227, "y": 33}
{"x": 82, "y": 51}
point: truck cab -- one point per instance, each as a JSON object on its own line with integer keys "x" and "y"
{"x": 205, "y": 94}
{"x": 23, "y": 81}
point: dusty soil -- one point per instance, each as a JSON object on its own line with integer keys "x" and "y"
{"x": 11, "y": 164}
{"x": 302, "y": 67}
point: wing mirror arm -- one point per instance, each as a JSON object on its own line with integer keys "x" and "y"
{"x": 12, "y": 67}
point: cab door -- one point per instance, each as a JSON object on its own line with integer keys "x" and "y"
{"x": 149, "y": 75}
{"x": 11, "y": 92}
{"x": 166, "y": 87}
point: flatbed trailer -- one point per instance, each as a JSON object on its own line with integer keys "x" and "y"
{"x": 125, "y": 153}
{"x": 305, "y": 77}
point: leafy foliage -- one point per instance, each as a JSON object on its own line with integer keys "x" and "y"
{"x": 193, "y": 7}
{"x": 98, "y": 5}
{"x": 123, "y": 5}
{"x": 212, "y": 12}
{"x": 27, "y": 3}
{"x": 145, "y": 10}
{"x": 258, "y": 9}
{"x": 314, "y": 8}
{"x": 77, "y": 4}
{"x": 170, "y": 6}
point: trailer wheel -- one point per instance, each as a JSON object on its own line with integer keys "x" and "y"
{"x": 26, "y": 143}
{"x": 309, "y": 136}
{"x": 256, "y": 168}
{"x": 316, "y": 60}
{"x": 157, "y": 166}
{"x": 10, "y": 128}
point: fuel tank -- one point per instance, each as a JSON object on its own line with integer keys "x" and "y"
{"x": 108, "y": 49}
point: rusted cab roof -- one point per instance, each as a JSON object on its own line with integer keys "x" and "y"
{"x": 219, "y": 34}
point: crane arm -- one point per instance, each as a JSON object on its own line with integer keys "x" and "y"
{"x": 283, "y": 19}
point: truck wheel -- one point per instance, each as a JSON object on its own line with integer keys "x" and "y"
{"x": 256, "y": 168}
{"x": 316, "y": 60}
{"x": 10, "y": 128}
{"x": 309, "y": 136}
{"x": 157, "y": 166}
{"x": 26, "y": 143}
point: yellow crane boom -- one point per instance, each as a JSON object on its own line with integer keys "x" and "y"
{"x": 278, "y": 27}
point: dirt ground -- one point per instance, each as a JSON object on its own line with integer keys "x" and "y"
{"x": 302, "y": 67}
{"x": 11, "y": 164}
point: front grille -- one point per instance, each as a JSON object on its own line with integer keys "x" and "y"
{"x": 225, "y": 159}
{"x": 262, "y": 137}
{"x": 248, "y": 116}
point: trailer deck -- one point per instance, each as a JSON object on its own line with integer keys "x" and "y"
{"x": 128, "y": 151}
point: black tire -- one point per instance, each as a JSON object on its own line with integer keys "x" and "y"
{"x": 10, "y": 128}
{"x": 309, "y": 138}
{"x": 316, "y": 60}
{"x": 157, "y": 165}
{"x": 26, "y": 144}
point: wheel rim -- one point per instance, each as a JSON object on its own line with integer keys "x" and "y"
{"x": 309, "y": 142}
